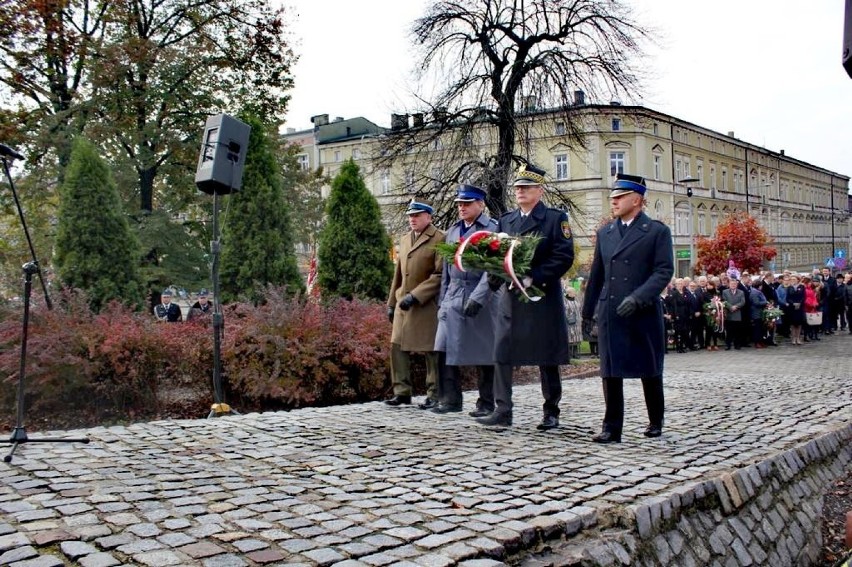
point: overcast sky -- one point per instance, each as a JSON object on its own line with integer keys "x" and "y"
{"x": 768, "y": 70}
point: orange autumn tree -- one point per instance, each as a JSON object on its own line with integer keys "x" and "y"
{"x": 740, "y": 238}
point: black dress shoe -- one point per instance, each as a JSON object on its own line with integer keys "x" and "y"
{"x": 428, "y": 403}
{"x": 607, "y": 437}
{"x": 653, "y": 431}
{"x": 446, "y": 408}
{"x": 495, "y": 419}
{"x": 480, "y": 412}
{"x": 548, "y": 422}
{"x": 398, "y": 400}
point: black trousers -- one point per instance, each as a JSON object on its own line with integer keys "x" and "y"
{"x": 613, "y": 389}
{"x": 450, "y": 389}
{"x": 551, "y": 389}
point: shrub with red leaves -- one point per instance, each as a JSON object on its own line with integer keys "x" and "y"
{"x": 86, "y": 369}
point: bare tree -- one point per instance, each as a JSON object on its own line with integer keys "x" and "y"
{"x": 496, "y": 65}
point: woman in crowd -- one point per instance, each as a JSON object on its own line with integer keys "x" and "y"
{"x": 795, "y": 312}
{"x": 714, "y": 328}
{"x": 811, "y": 306}
{"x": 572, "y": 313}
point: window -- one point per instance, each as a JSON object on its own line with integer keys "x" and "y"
{"x": 616, "y": 163}
{"x": 682, "y": 222}
{"x": 712, "y": 177}
{"x": 409, "y": 180}
{"x": 724, "y": 179}
{"x": 384, "y": 181}
{"x": 658, "y": 167}
{"x": 561, "y": 166}
{"x": 699, "y": 170}
{"x": 560, "y": 128}
{"x": 337, "y": 155}
{"x": 702, "y": 219}
{"x": 616, "y": 124}
{"x": 356, "y": 153}
{"x": 658, "y": 210}
{"x": 302, "y": 160}
{"x": 467, "y": 140}
{"x": 656, "y": 129}
{"x": 678, "y": 170}
{"x": 687, "y": 171}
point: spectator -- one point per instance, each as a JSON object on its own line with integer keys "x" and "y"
{"x": 166, "y": 310}
{"x": 795, "y": 297}
{"x": 201, "y": 307}
{"x": 734, "y": 299}
{"x": 757, "y": 303}
{"x": 572, "y": 312}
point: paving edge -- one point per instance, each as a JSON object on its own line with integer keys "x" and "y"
{"x": 764, "y": 513}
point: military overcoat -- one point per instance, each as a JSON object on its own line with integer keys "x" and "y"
{"x": 468, "y": 341}
{"x": 536, "y": 333}
{"x": 418, "y": 272}
{"x": 639, "y": 264}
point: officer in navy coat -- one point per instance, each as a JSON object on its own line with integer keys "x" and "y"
{"x": 466, "y": 314}
{"x": 632, "y": 264}
{"x": 533, "y": 333}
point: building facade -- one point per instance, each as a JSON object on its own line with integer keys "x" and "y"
{"x": 695, "y": 176}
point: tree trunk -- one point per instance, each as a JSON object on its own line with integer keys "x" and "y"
{"x": 146, "y": 188}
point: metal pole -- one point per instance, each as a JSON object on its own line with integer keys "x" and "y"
{"x": 691, "y": 238}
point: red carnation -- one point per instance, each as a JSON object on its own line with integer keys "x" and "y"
{"x": 494, "y": 244}
{"x": 476, "y": 238}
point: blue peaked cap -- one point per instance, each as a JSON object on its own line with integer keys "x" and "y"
{"x": 415, "y": 207}
{"x": 469, "y": 193}
{"x": 625, "y": 184}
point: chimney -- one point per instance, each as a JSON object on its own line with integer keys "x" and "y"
{"x": 529, "y": 103}
{"x": 579, "y": 98}
{"x": 338, "y": 119}
{"x": 731, "y": 134}
{"x": 291, "y": 130}
{"x": 615, "y": 103}
{"x": 782, "y": 152}
{"x": 399, "y": 121}
{"x": 417, "y": 119}
{"x": 319, "y": 120}
{"x": 439, "y": 114}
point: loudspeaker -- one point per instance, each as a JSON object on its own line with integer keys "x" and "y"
{"x": 223, "y": 154}
{"x": 847, "y": 38}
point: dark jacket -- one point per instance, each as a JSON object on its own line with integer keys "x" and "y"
{"x": 536, "y": 332}
{"x": 640, "y": 265}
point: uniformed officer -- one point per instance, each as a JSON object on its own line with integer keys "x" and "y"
{"x": 413, "y": 304}
{"x": 166, "y": 310}
{"x": 533, "y": 333}
{"x": 466, "y": 314}
{"x": 632, "y": 265}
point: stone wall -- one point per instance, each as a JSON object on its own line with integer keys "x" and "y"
{"x": 767, "y": 513}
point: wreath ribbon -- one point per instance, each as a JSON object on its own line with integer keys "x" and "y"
{"x": 510, "y": 269}
{"x": 457, "y": 260}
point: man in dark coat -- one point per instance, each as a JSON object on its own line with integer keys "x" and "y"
{"x": 533, "y": 333}
{"x": 466, "y": 314}
{"x": 633, "y": 263}
{"x": 166, "y": 310}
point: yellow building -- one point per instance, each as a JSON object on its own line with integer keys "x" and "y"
{"x": 695, "y": 176}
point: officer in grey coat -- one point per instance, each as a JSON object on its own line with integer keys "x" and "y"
{"x": 466, "y": 314}
{"x": 633, "y": 263}
{"x": 533, "y": 333}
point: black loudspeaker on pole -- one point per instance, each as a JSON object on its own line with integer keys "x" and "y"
{"x": 220, "y": 172}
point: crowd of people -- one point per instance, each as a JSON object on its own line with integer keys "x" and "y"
{"x": 733, "y": 310}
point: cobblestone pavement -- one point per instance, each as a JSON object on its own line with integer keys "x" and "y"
{"x": 373, "y": 485}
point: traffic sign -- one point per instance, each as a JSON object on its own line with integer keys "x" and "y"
{"x": 840, "y": 253}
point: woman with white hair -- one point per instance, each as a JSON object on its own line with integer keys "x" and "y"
{"x": 572, "y": 313}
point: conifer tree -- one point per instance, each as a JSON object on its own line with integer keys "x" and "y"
{"x": 257, "y": 235}
{"x": 95, "y": 248}
{"x": 354, "y": 247}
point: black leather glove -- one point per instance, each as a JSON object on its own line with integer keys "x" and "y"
{"x": 390, "y": 314}
{"x": 586, "y": 326}
{"x": 472, "y": 308}
{"x": 407, "y": 302}
{"x": 494, "y": 282}
{"x": 628, "y": 306}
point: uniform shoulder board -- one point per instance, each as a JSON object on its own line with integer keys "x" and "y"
{"x": 492, "y": 223}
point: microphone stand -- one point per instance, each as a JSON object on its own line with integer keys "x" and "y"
{"x": 19, "y": 433}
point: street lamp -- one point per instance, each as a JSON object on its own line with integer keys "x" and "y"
{"x": 687, "y": 182}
